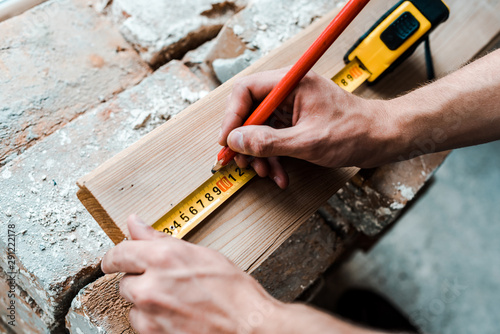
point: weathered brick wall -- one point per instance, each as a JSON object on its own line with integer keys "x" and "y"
{"x": 57, "y": 61}
{"x": 59, "y": 245}
{"x": 63, "y": 65}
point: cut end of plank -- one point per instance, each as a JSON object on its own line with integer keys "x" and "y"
{"x": 100, "y": 215}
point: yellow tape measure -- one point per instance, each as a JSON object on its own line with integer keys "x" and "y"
{"x": 204, "y": 200}
{"x": 191, "y": 211}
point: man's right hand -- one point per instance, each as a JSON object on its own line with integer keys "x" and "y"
{"x": 333, "y": 128}
{"x": 330, "y": 127}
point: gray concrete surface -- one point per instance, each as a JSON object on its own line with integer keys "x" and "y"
{"x": 441, "y": 263}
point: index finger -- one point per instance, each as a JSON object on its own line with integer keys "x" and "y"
{"x": 126, "y": 257}
{"x": 246, "y": 91}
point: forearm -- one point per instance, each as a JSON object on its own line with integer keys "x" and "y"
{"x": 459, "y": 110}
{"x": 298, "y": 318}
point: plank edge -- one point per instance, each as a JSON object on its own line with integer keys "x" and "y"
{"x": 100, "y": 215}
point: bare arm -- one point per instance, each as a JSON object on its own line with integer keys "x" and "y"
{"x": 459, "y": 110}
{"x": 336, "y": 129}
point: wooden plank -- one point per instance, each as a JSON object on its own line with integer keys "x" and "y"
{"x": 169, "y": 163}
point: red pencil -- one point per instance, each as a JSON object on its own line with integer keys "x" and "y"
{"x": 297, "y": 72}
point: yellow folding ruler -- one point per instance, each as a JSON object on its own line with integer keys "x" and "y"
{"x": 391, "y": 40}
{"x": 204, "y": 200}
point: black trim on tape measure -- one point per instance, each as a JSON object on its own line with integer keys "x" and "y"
{"x": 434, "y": 10}
{"x": 400, "y": 31}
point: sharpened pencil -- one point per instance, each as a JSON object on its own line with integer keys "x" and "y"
{"x": 296, "y": 73}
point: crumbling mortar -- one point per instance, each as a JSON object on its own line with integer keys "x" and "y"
{"x": 24, "y": 295}
{"x": 84, "y": 277}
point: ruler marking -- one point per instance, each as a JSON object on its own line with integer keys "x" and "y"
{"x": 351, "y": 76}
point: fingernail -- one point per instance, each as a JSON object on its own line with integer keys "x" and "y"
{"x": 277, "y": 179}
{"x": 237, "y": 141}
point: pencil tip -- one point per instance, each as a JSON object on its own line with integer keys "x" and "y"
{"x": 217, "y": 166}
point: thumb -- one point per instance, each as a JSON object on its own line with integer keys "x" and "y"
{"x": 263, "y": 141}
{"x": 139, "y": 230}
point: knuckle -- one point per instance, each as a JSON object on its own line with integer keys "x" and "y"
{"x": 228, "y": 101}
{"x": 143, "y": 296}
{"x": 311, "y": 79}
{"x": 205, "y": 255}
{"x": 134, "y": 317}
{"x": 239, "y": 86}
{"x": 162, "y": 256}
{"x": 240, "y": 82}
{"x": 125, "y": 288}
{"x": 148, "y": 327}
{"x": 141, "y": 323}
{"x": 169, "y": 254}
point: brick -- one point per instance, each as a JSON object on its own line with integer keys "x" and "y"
{"x": 27, "y": 317}
{"x": 59, "y": 244}
{"x": 259, "y": 28}
{"x": 57, "y": 61}
{"x": 99, "y": 308}
{"x": 196, "y": 61}
{"x": 374, "y": 199}
{"x": 166, "y": 30}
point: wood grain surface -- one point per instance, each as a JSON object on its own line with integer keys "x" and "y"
{"x": 169, "y": 163}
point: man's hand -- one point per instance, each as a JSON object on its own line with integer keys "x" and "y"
{"x": 330, "y": 127}
{"x": 333, "y": 128}
{"x": 178, "y": 287}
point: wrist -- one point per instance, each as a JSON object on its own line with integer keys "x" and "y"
{"x": 419, "y": 131}
{"x": 400, "y": 136}
{"x": 283, "y": 319}
{"x": 385, "y": 132}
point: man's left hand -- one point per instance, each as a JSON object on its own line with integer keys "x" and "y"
{"x": 179, "y": 287}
